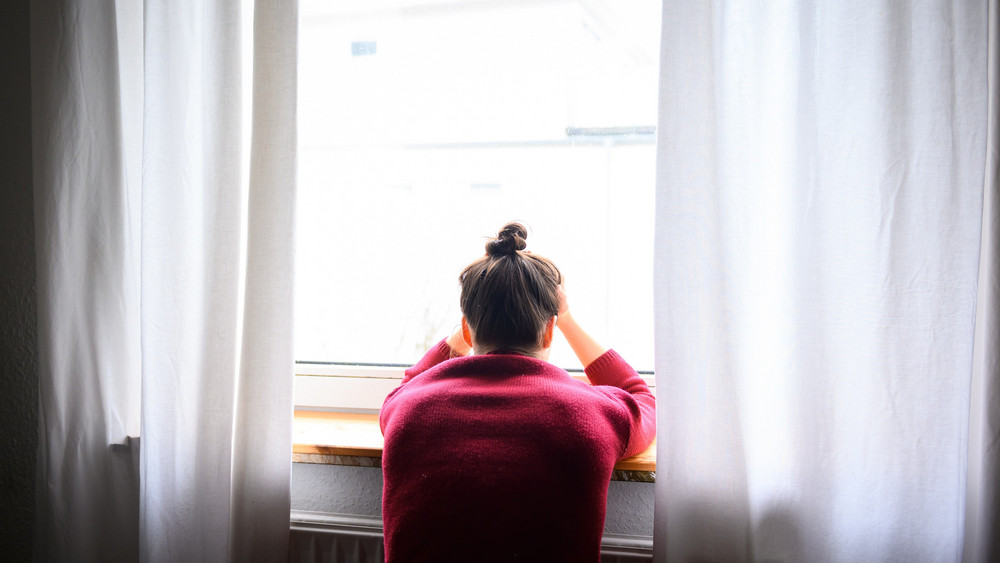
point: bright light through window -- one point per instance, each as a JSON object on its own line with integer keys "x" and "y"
{"x": 425, "y": 126}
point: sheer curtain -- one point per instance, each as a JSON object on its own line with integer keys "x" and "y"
{"x": 819, "y": 224}
{"x": 164, "y": 279}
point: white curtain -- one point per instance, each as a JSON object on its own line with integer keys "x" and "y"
{"x": 165, "y": 266}
{"x": 820, "y": 192}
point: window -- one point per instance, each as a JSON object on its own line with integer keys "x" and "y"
{"x": 424, "y": 127}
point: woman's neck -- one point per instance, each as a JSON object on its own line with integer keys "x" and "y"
{"x": 537, "y": 353}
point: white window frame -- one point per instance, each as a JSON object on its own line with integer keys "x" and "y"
{"x": 344, "y": 387}
{"x": 361, "y": 388}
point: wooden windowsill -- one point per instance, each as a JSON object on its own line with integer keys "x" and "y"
{"x": 335, "y": 438}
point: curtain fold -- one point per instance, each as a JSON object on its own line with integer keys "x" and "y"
{"x": 819, "y": 206}
{"x": 262, "y": 444}
{"x": 982, "y": 537}
{"x": 165, "y": 271}
{"x": 88, "y": 285}
{"x": 191, "y": 243}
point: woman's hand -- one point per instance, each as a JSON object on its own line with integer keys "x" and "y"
{"x": 584, "y": 346}
{"x": 563, "y": 302}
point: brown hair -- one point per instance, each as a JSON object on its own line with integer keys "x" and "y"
{"x": 509, "y": 295}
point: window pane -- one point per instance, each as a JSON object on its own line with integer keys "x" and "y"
{"x": 424, "y": 127}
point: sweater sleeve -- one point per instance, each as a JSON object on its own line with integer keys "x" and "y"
{"x": 612, "y": 370}
{"x": 437, "y": 354}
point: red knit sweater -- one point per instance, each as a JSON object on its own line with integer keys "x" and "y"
{"x": 506, "y": 457}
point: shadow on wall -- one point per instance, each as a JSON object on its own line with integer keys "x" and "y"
{"x": 709, "y": 533}
{"x": 777, "y": 538}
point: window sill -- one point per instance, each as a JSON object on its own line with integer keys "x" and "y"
{"x": 335, "y": 438}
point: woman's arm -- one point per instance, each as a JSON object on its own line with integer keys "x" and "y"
{"x": 584, "y": 346}
{"x": 606, "y": 367}
{"x": 617, "y": 379}
{"x": 452, "y": 347}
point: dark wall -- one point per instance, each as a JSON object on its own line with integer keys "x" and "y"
{"x": 18, "y": 345}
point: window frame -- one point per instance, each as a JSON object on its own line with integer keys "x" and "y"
{"x": 362, "y": 388}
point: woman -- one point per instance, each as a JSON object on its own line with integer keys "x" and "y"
{"x": 492, "y": 453}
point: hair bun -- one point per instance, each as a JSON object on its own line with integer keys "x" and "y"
{"x": 508, "y": 241}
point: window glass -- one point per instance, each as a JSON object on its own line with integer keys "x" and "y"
{"x": 425, "y": 126}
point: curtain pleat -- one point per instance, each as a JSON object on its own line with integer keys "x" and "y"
{"x": 982, "y": 522}
{"x": 88, "y": 285}
{"x": 191, "y": 244}
{"x": 261, "y": 444}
